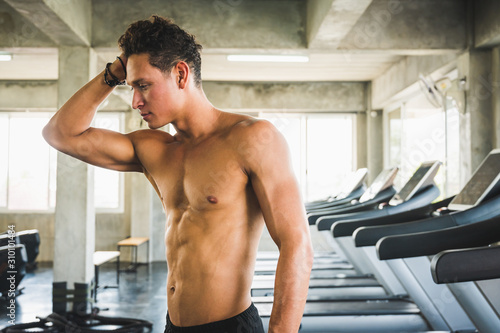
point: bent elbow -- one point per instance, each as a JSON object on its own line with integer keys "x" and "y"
{"x": 48, "y": 133}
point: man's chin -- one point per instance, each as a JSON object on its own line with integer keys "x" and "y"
{"x": 156, "y": 126}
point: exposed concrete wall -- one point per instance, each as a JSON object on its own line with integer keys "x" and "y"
{"x": 28, "y": 94}
{"x": 410, "y": 25}
{"x": 495, "y": 70}
{"x": 43, "y": 222}
{"x": 65, "y": 22}
{"x": 311, "y": 96}
{"x": 486, "y": 23}
{"x": 216, "y": 24}
{"x": 316, "y": 13}
{"x": 77, "y": 14}
{"x": 336, "y": 22}
{"x": 15, "y": 31}
{"x": 74, "y": 231}
{"x": 476, "y": 66}
{"x": 110, "y": 228}
{"x": 391, "y": 85}
{"x": 361, "y": 142}
{"x": 375, "y": 143}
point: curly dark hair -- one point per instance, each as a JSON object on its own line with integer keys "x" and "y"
{"x": 165, "y": 42}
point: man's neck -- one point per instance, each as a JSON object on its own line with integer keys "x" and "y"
{"x": 198, "y": 120}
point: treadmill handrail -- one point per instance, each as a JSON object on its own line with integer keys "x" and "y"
{"x": 423, "y": 198}
{"x": 383, "y": 196}
{"x": 472, "y": 264}
{"x": 432, "y": 242}
{"x": 347, "y": 227}
{"x": 355, "y": 195}
{"x": 368, "y": 236}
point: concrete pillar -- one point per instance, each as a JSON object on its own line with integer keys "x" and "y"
{"x": 75, "y": 213}
{"x": 361, "y": 143}
{"x": 158, "y": 225}
{"x": 495, "y": 69}
{"x": 477, "y": 125}
{"x": 375, "y": 143}
{"x": 141, "y": 213}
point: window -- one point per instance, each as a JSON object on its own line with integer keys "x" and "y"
{"x": 28, "y": 169}
{"x": 28, "y": 166}
{"x": 419, "y": 132}
{"x": 108, "y": 184}
{"x": 321, "y": 147}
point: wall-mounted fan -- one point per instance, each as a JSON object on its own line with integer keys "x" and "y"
{"x": 437, "y": 92}
{"x": 430, "y": 90}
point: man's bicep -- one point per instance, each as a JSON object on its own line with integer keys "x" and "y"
{"x": 105, "y": 148}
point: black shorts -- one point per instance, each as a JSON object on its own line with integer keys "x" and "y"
{"x": 246, "y": 322}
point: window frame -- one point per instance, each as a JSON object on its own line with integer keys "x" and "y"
{"x": 51, "y": 210}
{"x": 26, "y": 113}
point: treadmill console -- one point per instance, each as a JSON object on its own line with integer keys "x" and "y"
{"x": 384, "y": 180}
{"x": 484, "y": 184}
{"x": 355, "y": 181}
{"x": 423, "y": 177}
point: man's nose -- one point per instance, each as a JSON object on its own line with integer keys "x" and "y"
{"x": 137, "y": 101}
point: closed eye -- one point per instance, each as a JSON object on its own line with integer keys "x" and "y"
{"x": 140, "y": 87}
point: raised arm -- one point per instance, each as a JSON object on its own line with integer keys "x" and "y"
{"x": 69, "y": 129}
{"x": 278, "y": 193}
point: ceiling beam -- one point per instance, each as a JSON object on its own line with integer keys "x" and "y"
{"x": 486, "y": 23}
{"x": 329, "y": 21}
{"x": 65, "y": 22}
{"x": 423, "y": 25}
{"x": 216, "y": 24}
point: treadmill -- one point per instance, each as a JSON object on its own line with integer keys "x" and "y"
{"x": 381, "y": 190}
{"x": 472, "y": 220}
{"x": 345, "y": 306}
{"x": 418, "y": 191}
{"x": 352, "y": 189}
{"x": 330, "y": 268}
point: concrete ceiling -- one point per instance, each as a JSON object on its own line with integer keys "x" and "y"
{"x": 345, "y": 40}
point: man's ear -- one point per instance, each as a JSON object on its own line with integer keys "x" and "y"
{"x": 182, "y": 73}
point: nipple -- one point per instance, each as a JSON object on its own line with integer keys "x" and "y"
{"x": 212, "y": 199}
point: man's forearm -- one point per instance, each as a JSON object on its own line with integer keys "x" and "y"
{"x": 290, "y": 289}
{"x": 76, "y": 115}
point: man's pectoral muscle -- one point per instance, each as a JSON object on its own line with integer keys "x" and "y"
{"x": 214, "y": 225}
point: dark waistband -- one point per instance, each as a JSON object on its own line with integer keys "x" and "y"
{"x": 247, "y": 316}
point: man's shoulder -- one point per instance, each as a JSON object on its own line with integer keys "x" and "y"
{"x": 149, "y": 135}
{"x": 248, "y": 126}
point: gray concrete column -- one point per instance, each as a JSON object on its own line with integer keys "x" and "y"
{"x": 141, "y": 212}
{"x": 477, "y": 125}
{"x": 361, "y": 143}
{"x": 375, "y": 143}
{"x": 75, "y": 214}
{"x": 495, "y": 69}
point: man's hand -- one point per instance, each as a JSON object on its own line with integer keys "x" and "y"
{"x": 119, "y": 67}
{"x": 69, "y": 129}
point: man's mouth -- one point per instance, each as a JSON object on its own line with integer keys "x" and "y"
{"x": 145, "y": 115}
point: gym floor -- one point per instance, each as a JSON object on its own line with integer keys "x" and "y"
{"x": 141, "y": 295}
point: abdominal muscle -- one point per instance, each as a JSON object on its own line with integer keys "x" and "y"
{"x": 210, "y": 261}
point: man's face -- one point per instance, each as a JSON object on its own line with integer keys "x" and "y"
{"x": 155, "y": 93}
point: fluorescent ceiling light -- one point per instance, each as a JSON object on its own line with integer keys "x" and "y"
{"x": 5, "y": 57}
{"x": 267, "y": 58}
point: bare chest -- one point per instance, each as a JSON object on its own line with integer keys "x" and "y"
{"x": 202, "y": 178}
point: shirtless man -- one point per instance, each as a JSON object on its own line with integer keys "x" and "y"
{"x": 220, "y": 178}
